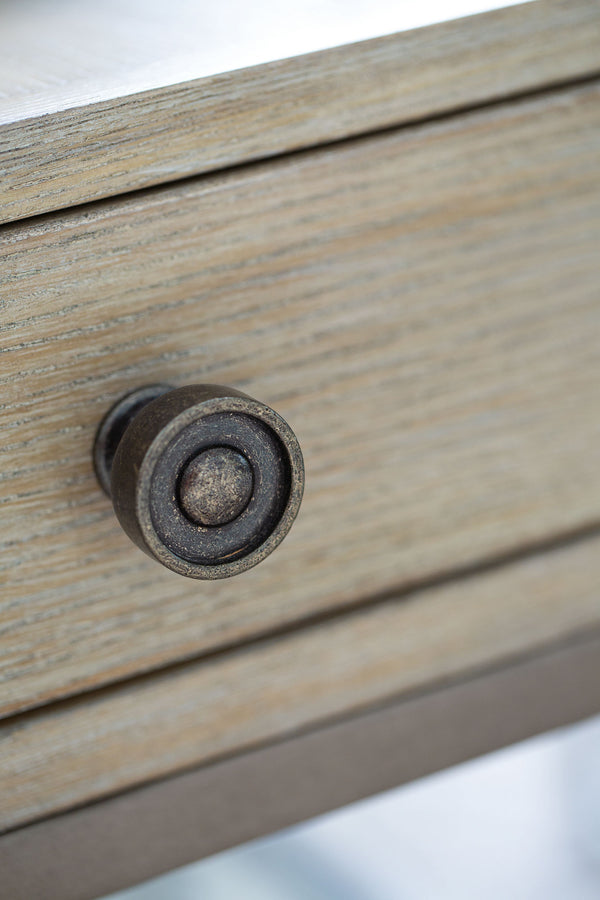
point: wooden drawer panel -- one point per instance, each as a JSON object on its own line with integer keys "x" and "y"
{"x": 83, "y": 749}
{"x": 421, "y": 306}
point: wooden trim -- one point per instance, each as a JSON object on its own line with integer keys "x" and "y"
{"x": 71, "y": 753}
{"x": 51, "y": 161}
{"x": 136, "y": 836}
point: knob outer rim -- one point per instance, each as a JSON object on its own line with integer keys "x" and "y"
{"x": 142, "y": 445}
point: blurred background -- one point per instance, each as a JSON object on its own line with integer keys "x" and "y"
{"x": 522, "y": 823}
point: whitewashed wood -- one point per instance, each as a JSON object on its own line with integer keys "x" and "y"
{"x": 86, "y": 116}
{"x": 85, "y": 749}
{"x": 423, "y": 309}
{"x": 55, "y": 56}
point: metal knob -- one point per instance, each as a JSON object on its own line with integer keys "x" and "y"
{"x": 203, "y": 478}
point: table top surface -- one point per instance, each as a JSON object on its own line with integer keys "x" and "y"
{"x": 57, "y": 56}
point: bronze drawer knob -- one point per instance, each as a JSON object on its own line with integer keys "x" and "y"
{"x": 203, "y": 478}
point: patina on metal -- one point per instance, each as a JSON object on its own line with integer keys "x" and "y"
{"x": 203, "y": 478}
{"x": 216, "y": 486}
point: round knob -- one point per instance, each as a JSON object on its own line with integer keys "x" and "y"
{"x": 203, "y": 478}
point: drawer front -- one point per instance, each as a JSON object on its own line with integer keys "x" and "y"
{"x": 421, "y": 306}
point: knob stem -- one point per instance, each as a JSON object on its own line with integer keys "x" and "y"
{"x": 115, "y": 423}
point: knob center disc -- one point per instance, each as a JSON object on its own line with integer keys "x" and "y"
{"x": 215, "y": 487}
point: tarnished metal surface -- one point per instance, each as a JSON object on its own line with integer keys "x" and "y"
{"x": 216, "y": 486}
{"x": 203, "y": 478}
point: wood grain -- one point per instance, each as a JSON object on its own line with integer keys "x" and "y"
{"x": 59, "y": 148}
{"x": 422, "y": 307}
{"x": 87, "y": 748}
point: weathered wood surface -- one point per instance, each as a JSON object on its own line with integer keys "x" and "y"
{"x": 83, "y": 749}
{"x": 422, "y": 307}
{"x": 77, "y": 123}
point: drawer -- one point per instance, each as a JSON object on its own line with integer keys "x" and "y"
{"x": 420, "y": 305}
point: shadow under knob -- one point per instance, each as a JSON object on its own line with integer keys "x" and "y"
{"x": 203, "y": 478}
